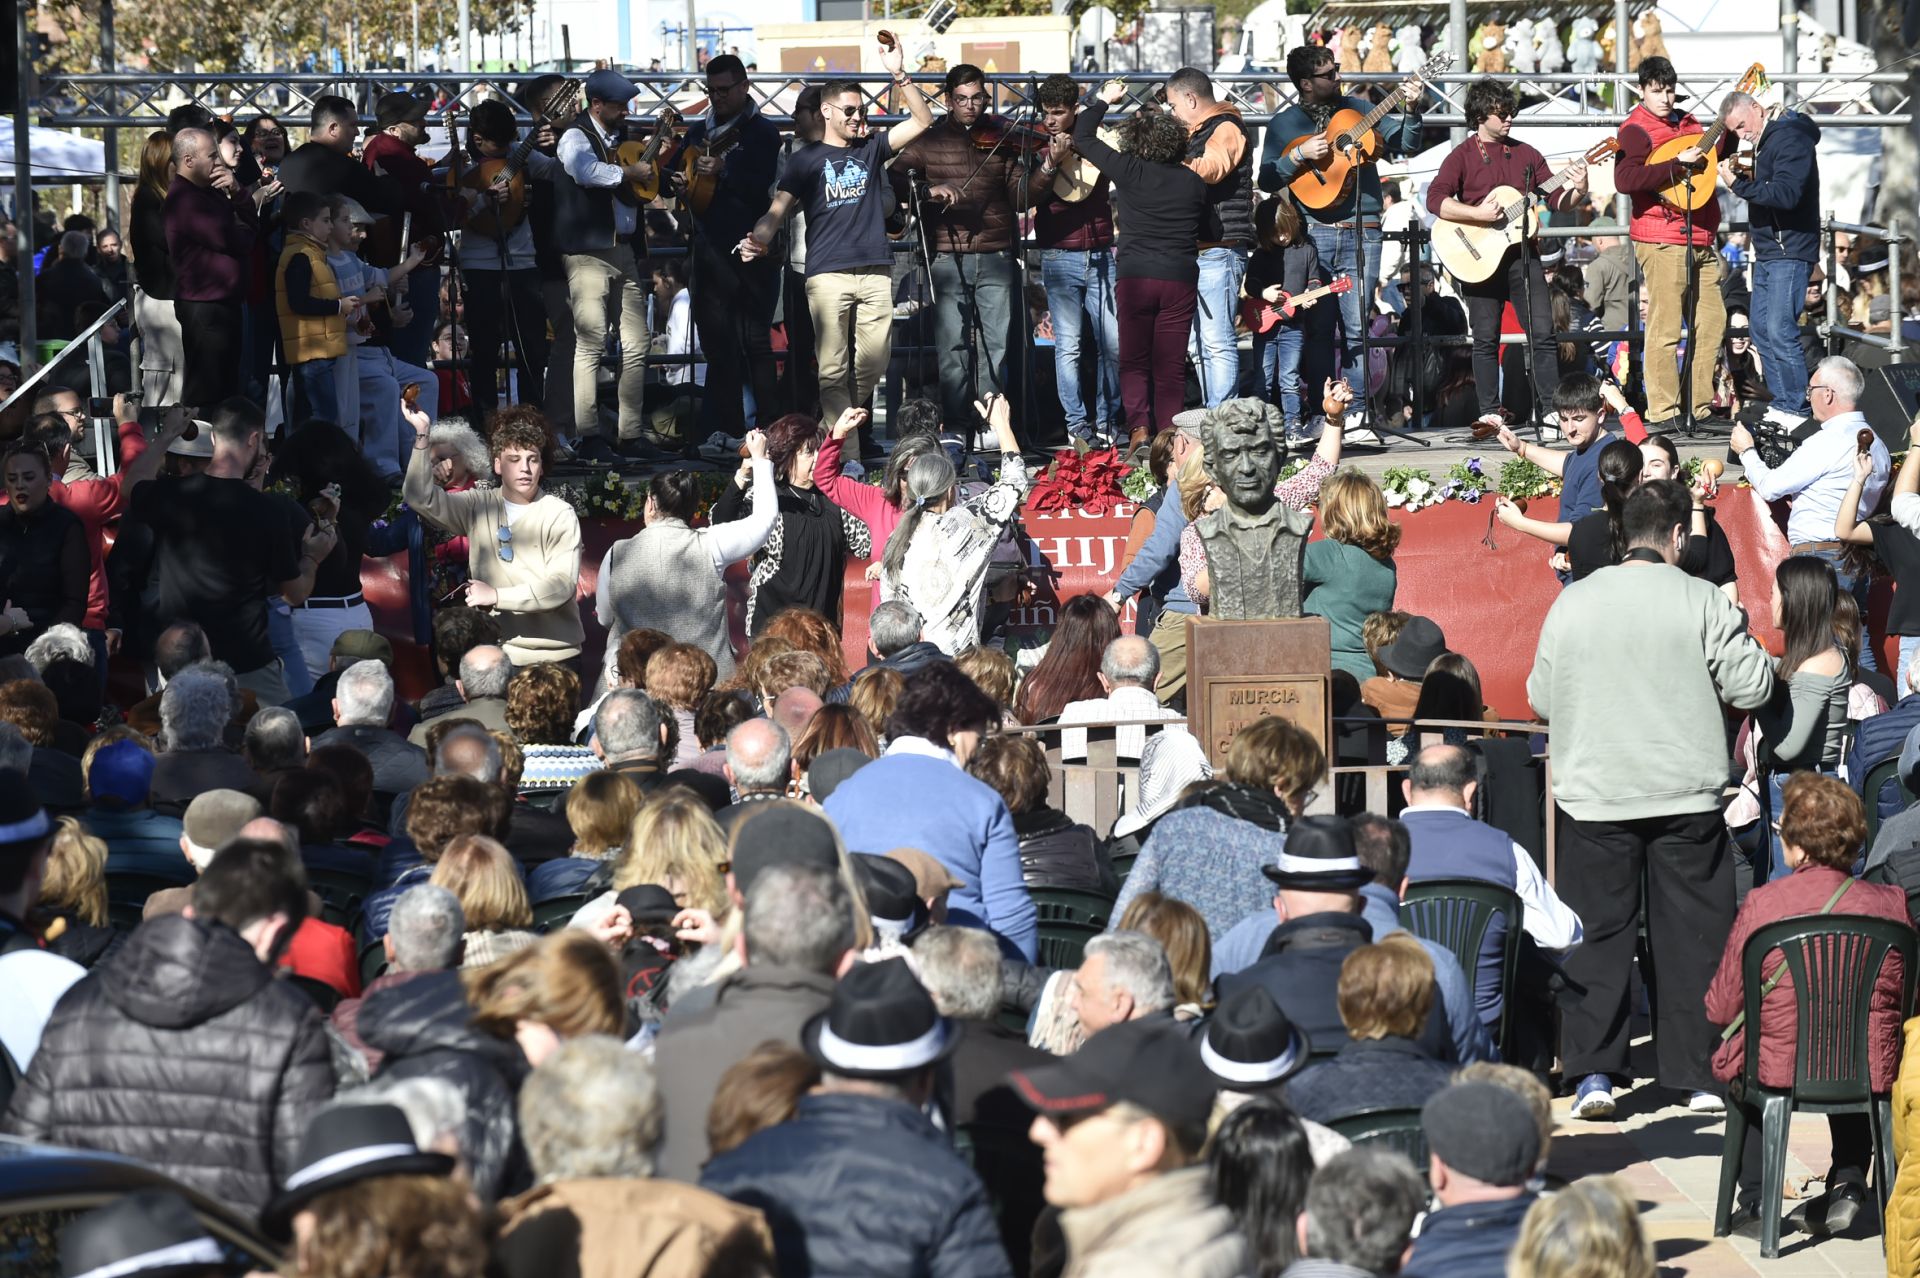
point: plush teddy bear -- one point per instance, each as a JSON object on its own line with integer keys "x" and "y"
{"x": 1522, "y": 57}
{"x": 1349, "y": 51}
{"x": 1583, "y": 55}
{"x": 1411, "y": 56}
{"x": 1379, "y": 50}
{"x": 1490, "y": 49}
{"x": 1648, "y": 42}
{"x": 1553, "y": 54}
{"x": 1608, "y": 42}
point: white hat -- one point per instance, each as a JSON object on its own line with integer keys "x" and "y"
{"x": 1171, "y": 761}
{"x": 201, "y": 445}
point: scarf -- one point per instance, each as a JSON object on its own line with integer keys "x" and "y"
{"x": 1244, "y": 803}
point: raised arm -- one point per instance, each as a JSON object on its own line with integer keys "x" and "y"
{"x": 1847, "y": 525}
{"x": 1551, "y": 460}
{"x": 1087, "y": 140}
{"x": 893, "y": 57}
{"x": 448, "y": 511}
{"x": 730, "y": 542}
{"x": 1906, "y": 489}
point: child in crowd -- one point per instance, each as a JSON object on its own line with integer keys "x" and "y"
{"x": 371, "y": 413}
{"x": 313, "y": 309}
{"x": 1284, "y": 264}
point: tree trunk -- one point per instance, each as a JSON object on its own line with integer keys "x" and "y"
{"x": 1899, "y": 179}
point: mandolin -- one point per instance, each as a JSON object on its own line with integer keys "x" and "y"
{"x": 1694, "y": 190}
{"x": 1260, "y": 315}
{"x": 1473, "y": 252}
{"x": 1324, "y": 183}
{"x": 701, "y": 187}
{"x": 508, "y": 173}
{"x": 647, "y": 152}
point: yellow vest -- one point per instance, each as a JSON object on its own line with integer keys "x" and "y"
{"x": 308, "y": 337}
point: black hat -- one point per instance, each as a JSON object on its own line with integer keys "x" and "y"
{"x": 779, "y": 832}
{"x": 648, "y": 904}
{"x": 893, "y": 897}
{"x": 881, "y": 1024}
{"x": 1414, "y": 649}
{"x": 1484, "y": 1131}
{"x": 149, "y": 1233}
{"x": 1251, "y": 1045}
{"x": 346, "y": 1144}
{"x": 711, "y": 790}
{"x": 392, "y": 108}
{"x": 830, "y": 768}
{"x": 1152, "y": 1066}
{"x": 1319, "y": 856}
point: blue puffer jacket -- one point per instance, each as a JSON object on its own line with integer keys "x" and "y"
{"x": 861, "y": 1187}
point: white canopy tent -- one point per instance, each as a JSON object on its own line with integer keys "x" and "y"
{"x": 57, "y": 155}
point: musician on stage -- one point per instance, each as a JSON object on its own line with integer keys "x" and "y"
{"x": 1347, "y": 232}
{"x": 555, "y": 310}
{"x": 1462, "y": 191}
{"x": 393, "y": 151}
{"x": 1220, "y": 150}
{"x": 973, "y": 162}
{"x": 1075, "y": 238}
{"x": 1662, "y": 246}
{"x": 732, "y": 298}
{"x": 1783, "y": 220}
{"x": 503, "y": 286}
{"x": 601, "y": 244}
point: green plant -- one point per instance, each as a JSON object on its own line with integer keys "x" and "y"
{"x": 1410, "y": 488}
{"x": 1521, "y": 478}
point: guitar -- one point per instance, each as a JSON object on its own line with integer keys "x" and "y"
{"x": 509, "y": 171}
{"x": 700, "y": 187}
{"x": 646, "y": 153}
{"x": 1260, "y": 315}
{"x": 1473, "y": 252}
{"x": 1077, "y": 178}
{"x": 1693, "y": 191}
{"x": 1324, "y": 183}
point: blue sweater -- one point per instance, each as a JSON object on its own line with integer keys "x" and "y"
{"x": 1209, "y": 860}
{"x": 914, "y": 801}
{"x": 1783, "y": 195}
{"x": 1161, "y": 552}
{"x": 1399, "y": 135}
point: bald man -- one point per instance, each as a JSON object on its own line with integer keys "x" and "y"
{"x": 211, "y": 224}
{"x": 1128, "y": 670}
{"x": 759, "y": 765}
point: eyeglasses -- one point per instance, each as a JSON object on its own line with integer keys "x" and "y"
{"x": 269, "y": 133}
{"x": 724, "y": 88}
{"x": 851, "y": 113}
{"x": 505, "y": 538}
{"x": 971, "y": 99}
{"x": 1814, "y": 386}
{"x": 1331, "y": 73}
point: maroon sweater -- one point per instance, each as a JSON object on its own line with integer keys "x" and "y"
{"x": 210, "y": 239}
{"x": 1058, "y": 224}
{"x": 1471, "y": 172}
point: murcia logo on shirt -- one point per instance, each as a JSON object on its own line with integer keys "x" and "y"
{"x": 845, "y": 183}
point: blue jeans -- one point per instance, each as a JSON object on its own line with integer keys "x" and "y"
{"x": 1779, "y": 286}
{"x": 319, "y": 381}
{"x": 972, "y": 291}
{"x": 1857, "y": 587}
{"x": 1279, "y": 353}
{"x": 1215, "y": 345}
{"x": 1342, "y": 249}
{"x": 286, "y": 646}
{"x": 1079, "y": 284}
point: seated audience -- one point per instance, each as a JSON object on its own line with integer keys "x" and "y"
{"x": 1483, "y": 1151}
{"x": 1128, "y": 670}
{"x": 484, "y": 673}
{"x": 600, "y": 811}
{"x": 440, "y": 811}
{"x": 680, "y": 676}
{"x": 425, "y": 933}
{"x": 1385, "y": 998}
{"x": 1182, "y": 933}
{"x": 1055, "y": 850}
{"x": 71, "y": 912}
{"x": 493, "y": 900}
{"x": 195, "y": 709}
{"x": 119, "y": 767}
{"x": 1069, "y": 670}
{"x": 1590, "y": 1229}
{"x": 541, "y": 702}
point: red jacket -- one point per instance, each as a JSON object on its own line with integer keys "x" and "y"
{"x": 1800, "y": 895}
{"x": 99, "y": 502}
{"x": 1653, "y": 221}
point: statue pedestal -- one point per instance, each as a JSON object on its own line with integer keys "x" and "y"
{"x": 1240, "y": 671}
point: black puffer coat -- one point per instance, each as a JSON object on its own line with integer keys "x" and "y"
{"x": 859, "y": 1185}
{"x": 181, "y": 1050}
{"x": 425, "y": 1028}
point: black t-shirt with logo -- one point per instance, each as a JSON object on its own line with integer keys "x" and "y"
{"x": 846, "y": 197}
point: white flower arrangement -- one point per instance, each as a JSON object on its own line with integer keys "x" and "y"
{"x": 1410, "y": 488}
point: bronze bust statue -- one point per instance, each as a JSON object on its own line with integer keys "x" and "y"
{"x": 1254, "y": 543}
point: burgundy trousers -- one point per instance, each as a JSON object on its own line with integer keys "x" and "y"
{"x": 1155, "y": 318}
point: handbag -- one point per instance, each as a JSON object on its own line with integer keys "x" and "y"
{"x": 1780, "y": 973}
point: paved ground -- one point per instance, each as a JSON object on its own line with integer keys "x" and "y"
{"x": 1671, "y": 1159}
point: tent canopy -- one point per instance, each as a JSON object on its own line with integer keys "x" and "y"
{"x": 57, "y": 154}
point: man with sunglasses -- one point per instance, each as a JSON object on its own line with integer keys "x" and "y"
{"x": 732, "y": 297}
{"x": 1347, "y": 232}
{"x": 837, "y": 183}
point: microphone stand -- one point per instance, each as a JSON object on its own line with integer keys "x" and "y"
{"x": 1526, "y": 297}
{"x": 916, "y": 197}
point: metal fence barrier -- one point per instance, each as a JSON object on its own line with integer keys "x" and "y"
{"x": 1893, "y": 341}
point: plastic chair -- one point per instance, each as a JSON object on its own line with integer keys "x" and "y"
{"x": 373, "y": 961}
{"x": 1397, "y": 1129}
{"x": 1123, "y": 866}
{"x": 1877, "y": 777}
{"x": 556, "y": 912}
{"x": 1069, "y": 918}
{"x": 127, "y": 896}
{"x": 340, "y": 894}
{"x": 1456, "y": 913}
{"x": 1833, "y": 962}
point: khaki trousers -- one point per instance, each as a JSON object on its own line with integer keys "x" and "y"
{"x": 853, "y": 334}
{"x": 1169, "y": 639}
{"x": 606, "y": 287}
{"x": 1663, "y": 270}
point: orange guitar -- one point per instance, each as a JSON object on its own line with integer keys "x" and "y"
{"x": 1260, "y": 315}
{"x": 1323, "y": 184}
{"x": 1694, "y": 190}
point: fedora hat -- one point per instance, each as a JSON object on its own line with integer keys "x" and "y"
{"x": 1319, "y": 856}
{"x": 893, "y": 897}
{"x": 881, "y": 1024}
{"x": 151, "y": 1233}
{"x": 1414, "y": 650}
{"x": 394, "y": 107}
{"x": 345, "y": 1144}
{"x": 1171, "y": 761}
{"x": 1250, "y": 1044}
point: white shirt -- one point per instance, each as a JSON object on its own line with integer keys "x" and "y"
{"x": 683, "y": 339}
{"x": 1817, "y": 477}
{"x": 575, "y": 153}
{"x": 1546, "y": 917}
{"x": 1128, "y": 701}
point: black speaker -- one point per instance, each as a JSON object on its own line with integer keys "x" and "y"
{"x": 1891, "y": 400}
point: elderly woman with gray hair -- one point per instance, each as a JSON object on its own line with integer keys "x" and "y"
{"x": 194, "y": 711}
{"x": 590, "y": 1118}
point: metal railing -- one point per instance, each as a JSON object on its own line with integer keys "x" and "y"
{"x": 1893, "y": 341}
{"x": 89, "y": 337}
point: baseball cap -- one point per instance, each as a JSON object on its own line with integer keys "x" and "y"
{"x": 1157, "y": 1068}
{"x": 1484, "y": 1131}
{"x": 780, "y": 832}
{"x": 363, "y": 645}
{"x": 122, "y": 771}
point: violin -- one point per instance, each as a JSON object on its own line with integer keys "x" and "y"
{"x": 995, "y": 132}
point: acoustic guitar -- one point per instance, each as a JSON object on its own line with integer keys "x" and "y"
{"x": 1077, "y": 179}
{"x": 1324, "y": 183}
{"x": 511, "y": 208}
{"x": 1260, "y": 315}
{"x": 1474, "y": 252}
{"x": 1694, "y": 190}
{"x": 648, "y": 152}
{"x": 700, "y": 187}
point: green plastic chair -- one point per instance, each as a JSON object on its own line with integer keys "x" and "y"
{"x": 1833, "y": 962}
{"x": 1069, "y": 918}
{"x": 1396, "y": 1129}
{"x": 557, "y": 911}
{"x": 1456, "y": 913}
{"x": 340, "y": 894}
{"x": 1877, "y": 777}
{"x": 373, "y": 961}
{"x": 1123, "y": 866}
{"x": 127, "y": 896}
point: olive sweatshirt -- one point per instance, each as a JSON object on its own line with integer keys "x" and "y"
{"x": 1633, "y": 666}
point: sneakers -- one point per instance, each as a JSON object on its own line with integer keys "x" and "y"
{"x": 1706, "y": 1103}
{"x": 1594, "y": 1099}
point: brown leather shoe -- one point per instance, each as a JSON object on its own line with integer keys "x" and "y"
{"x": 1139, "y": 442}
